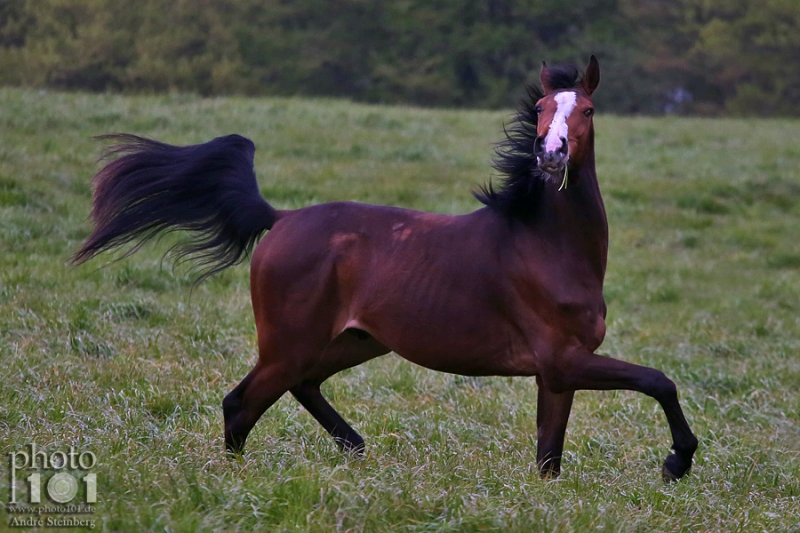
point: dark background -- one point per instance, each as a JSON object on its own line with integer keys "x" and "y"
{"x": 707, "y": 57}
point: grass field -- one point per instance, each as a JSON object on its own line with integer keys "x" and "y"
{"x": 127, "y": 361}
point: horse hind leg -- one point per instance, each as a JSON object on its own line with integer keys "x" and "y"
{"x": 245, "y": 404}
{"x": 351, "y": 348}
{"x": 299, "y": 367}
{"x": 310, "y": 397}
{"x": 280, "y": 365}
{"x": 260, "y": 389}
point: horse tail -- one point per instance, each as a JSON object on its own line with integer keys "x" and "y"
{"x": 209, "y": 189}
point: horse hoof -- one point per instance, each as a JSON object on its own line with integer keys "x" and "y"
{"x": 234, "y": 447}
{"x": 358, "y": 455}
{"x": 549, "y": 472}
{"x": 232, "y": 453}
{"x": 354, "y": 447}
{"x": 675, "y": 467}
{"x": 550, "y": 475}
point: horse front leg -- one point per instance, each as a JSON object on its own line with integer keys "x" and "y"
{"x": 552, "y": 415}
{"x": 583, "y": 370}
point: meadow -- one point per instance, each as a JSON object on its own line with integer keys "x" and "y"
{"x": 130, "y": 361}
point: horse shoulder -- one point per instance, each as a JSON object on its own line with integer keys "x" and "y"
{"x": 560, "y": 297}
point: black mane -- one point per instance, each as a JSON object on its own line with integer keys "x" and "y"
{"x": 523, "y": 180}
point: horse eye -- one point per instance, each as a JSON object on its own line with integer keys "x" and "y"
{"x": 538, "y": 109}
{"x": 589, "y": 112}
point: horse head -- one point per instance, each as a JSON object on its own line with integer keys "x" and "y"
{"x": 564, "y": 128}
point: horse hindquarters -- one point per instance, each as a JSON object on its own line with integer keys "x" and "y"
{"x": 297, "y": 306}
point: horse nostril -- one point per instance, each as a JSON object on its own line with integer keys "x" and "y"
{"x": 538, "y": 145}
{"x": 564, "y": 147}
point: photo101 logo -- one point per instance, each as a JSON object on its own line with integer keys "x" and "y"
{"x": 55, "y": 489}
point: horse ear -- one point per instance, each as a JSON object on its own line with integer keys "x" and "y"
{"x": 544, "y": 78}
{"x": 591, "y": 78}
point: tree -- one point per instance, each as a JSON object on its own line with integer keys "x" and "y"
{"x": 690, "y": 56}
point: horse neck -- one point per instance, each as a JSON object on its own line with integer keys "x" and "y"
{"x": 573, "y": 220}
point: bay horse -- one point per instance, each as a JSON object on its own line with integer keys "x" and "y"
{"x": 512, "y": 289}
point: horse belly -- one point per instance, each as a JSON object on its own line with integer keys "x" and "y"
{"x": 449, "y": 336}
{"x": 492, "y": 357}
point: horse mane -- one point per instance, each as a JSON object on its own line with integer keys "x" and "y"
{"x": 523, "y": 181}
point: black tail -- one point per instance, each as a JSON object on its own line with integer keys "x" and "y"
{"x": 208, "y": 189}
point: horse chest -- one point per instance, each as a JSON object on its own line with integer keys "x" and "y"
{"x": 564, "y": 302}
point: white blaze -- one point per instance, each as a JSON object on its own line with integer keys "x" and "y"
{"x": 558, "y": 128}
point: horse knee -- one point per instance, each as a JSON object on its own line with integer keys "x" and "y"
{"x": 658, "y": 385}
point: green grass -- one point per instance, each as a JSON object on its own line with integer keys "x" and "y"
{"x": 131, "y": 363}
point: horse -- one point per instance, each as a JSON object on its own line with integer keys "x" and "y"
{"x": 514, "y": 288}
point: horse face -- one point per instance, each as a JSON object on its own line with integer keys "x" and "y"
{"x": 565, "y": 122}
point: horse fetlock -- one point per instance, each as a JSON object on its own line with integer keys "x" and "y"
{"x": 689, "y": 448}
{"x": 235, "y": 432}
{"x": 231, "y": 405}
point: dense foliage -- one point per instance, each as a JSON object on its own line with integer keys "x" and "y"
{"x": 689, "y": 56}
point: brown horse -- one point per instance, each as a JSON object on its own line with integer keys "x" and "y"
{"x": 514, "y": 288}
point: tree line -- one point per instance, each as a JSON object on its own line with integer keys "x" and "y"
{"x": 706, "y": 57}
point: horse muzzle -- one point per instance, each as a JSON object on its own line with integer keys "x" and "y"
{"x": 551, "y": 161}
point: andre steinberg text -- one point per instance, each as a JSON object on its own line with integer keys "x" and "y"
{"x": 65, "y": 479}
